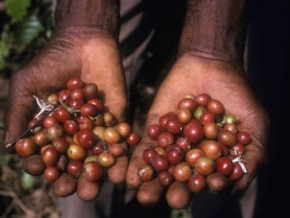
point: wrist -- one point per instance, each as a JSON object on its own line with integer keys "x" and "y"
{"x": 94, "y": 14}
{"x": 214, "y": 29}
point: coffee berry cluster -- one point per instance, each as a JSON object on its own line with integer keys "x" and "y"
{"x": 198, "y": 144}
{"x": 74, "y": 138}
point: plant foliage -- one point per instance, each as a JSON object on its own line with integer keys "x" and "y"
{"x": 25, "y": 27}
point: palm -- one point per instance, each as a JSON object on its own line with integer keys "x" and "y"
{"x": 192, "y": 75}
{"x": 91, "y": 57}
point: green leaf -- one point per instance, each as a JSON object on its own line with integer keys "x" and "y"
{"x": 5, "y": 42}
{"x": 17, "y": 9}
{"x": 5, "y": 160}
{"x": 27, "y": 181}
{"x": 28, "y": 31}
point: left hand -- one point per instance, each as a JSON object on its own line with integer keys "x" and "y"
{"x": 222, "y": 81}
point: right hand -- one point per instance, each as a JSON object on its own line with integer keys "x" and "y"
{"x": 85, "y": 53}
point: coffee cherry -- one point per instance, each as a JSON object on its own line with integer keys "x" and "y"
{"x": 196, "y": 183}
{"x": 197, "y": 145}
{"x": 193, "y": 131}
{"x": 165, "y": 178}
{"x": 153, "y": 131}
{"x": 182, "y": 172}
{"x": 159, "y": 163}
{"x": 133, "y": 138}
{"x": 81, "y": 138}
{"x": 145, "y": 173}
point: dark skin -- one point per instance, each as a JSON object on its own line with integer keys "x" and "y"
{"x": 87, "y": 52}
{"x": 209, "y": 61}
{"x": 210, "y": 76}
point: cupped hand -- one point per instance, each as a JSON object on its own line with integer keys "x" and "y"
{"x": 84, "y": 53}
{"x": 222, "y": 81}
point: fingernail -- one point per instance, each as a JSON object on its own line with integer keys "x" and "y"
{"x": 10, "y": 148}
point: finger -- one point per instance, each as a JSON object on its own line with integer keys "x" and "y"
{"x": 257, "y": 125}
{"x": 87, "y": 190}
{"x": 18, "y": 112}
{"x": 178, "y": 195}
{"x": 255, "y": 157}
{"x": 117, "y": 173}
{"x": 150, "y": 193}
{"x": 108, "y": 75}
{"x": 136, "y": 163}
{"x": 65, "y": 185}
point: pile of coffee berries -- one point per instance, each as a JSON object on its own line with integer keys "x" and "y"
{"x": 198, "y": 144}
{"x": 76, "y": 142}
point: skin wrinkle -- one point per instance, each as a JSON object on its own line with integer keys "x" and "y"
{"x": 202, "y": 70}
{"x": 53, "y": 54}
{"x": 31, "y": 80}
{"x": 212, "y": 30}
{"x": 227, "y": 71}
{"x": 19, "y": 87}
{"x": 100, "y": 14}
{"x": 65, "y": 7}
{"x": 17, "y": 106}
{"x": 256, "y": 129}
{"x": 104, "y": 70}
{"x": 60, "y": 60}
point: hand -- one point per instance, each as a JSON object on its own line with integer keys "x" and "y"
{"x": 84, "y": 53}
{"x": 222, "y": 81}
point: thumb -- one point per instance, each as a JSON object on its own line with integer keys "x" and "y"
{"x": 17, "y": 114}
